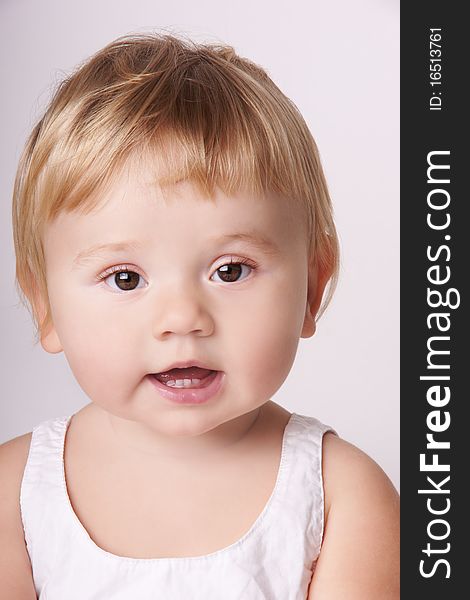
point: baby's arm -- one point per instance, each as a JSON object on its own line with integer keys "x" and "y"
{"x": 16, "y": 580}
{"x": 359, "y": 558}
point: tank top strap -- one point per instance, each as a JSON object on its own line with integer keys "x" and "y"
{"x": 303, "y": 495}
{"x": 45, "y": 522}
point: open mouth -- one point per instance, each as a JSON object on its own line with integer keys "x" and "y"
{"x": 187, "y": 377}
{"x": 191, "y": 385}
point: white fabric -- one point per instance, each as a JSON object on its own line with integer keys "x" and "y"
{"x": 274, "y": 560}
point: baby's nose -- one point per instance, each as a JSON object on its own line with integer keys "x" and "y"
{"x": 182, "y": 314}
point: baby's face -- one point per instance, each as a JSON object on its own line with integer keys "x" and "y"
{"x": 178, "y": 302}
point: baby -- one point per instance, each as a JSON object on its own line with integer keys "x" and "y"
{"x": 174, "y": 238}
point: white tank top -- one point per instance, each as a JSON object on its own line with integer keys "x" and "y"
{"x": 274, "y": 560}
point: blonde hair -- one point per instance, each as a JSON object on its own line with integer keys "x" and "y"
{"x": 212, "y": 116}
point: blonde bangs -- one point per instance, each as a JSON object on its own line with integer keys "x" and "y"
{"x": 205, "y": 118}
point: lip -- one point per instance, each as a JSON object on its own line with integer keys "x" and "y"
{"x": 190, "y": 395}
{"x": 182, "y": 364}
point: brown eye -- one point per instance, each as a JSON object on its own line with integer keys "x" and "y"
{"x": 125, "y": 280}
{"x": 230, "y": 273}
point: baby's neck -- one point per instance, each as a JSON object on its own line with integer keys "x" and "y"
{"x": 137, "y": 439}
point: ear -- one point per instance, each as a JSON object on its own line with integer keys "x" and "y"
{"x": 50, "y": 340}
{"x": 317, "y": 280}
{"x": 48, "y": 335}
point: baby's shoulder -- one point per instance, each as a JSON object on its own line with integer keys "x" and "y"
{"x": 13, "y": 458}
{"x": 359, "y": 557}
{"x": 349, "y": 473}
{"x": 15, "y": 572}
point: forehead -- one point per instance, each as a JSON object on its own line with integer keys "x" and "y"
{"x": 135, "y": 206}
{"x": 139, "y": 182}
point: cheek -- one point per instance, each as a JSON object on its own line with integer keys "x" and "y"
{"x": 268, "y": 336}
{"x": 98, "y": 346}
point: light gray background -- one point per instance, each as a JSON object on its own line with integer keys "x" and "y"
{"x": 339, "y": 62}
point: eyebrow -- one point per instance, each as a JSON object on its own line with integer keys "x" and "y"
{"x": 255, "y": 238}
{"x": 99, "y": 249}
